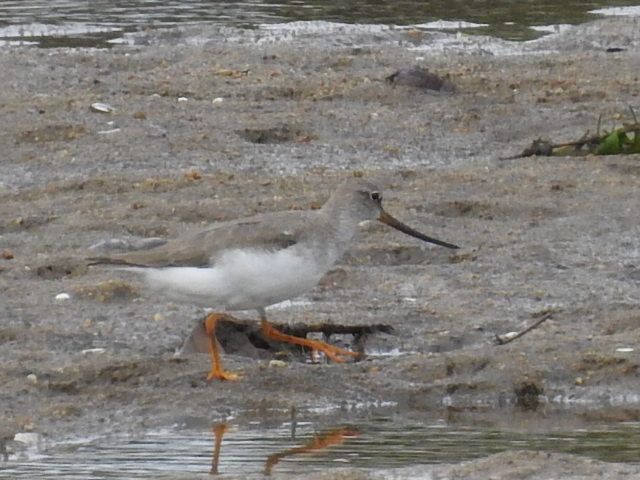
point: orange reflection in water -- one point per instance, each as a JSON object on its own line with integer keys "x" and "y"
{"x": 218, "y": 432}
{"x": 319, "y": 442}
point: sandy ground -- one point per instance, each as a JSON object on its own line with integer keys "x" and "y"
{"x": 297, "y": 115}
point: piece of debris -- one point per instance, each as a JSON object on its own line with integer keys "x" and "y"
{"x": 108, "y": 132}
{"x": 277, "y": 363}
{"x": 420, "y": 78}
{"x": 619, "y": 141}
{"x": 62, "y": 297}
{"x": 511, "y": 336}
{"x": 7, "y": 254}
{"x": 508, "y": 336}
{"x": 93, "y": 351}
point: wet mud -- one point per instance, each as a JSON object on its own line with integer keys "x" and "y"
{"x": 216, "y": 129}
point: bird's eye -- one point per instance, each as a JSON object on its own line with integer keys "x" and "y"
{"x": 376, "y": 196}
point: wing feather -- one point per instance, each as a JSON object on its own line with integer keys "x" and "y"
{"x": 272, "y": 231}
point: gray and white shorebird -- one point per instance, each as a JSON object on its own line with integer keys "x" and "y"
{"x": 253, "y": 262}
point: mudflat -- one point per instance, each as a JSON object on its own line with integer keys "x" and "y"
{"x": 207, "y": 127}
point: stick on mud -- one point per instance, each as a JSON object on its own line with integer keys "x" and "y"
{"x": 504, "y": 339}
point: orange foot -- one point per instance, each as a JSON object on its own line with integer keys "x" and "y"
{"x": 223, "y": 375}
{"x": 337, "y": 354}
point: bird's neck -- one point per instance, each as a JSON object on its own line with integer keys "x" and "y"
{"x": 341, "y": 223}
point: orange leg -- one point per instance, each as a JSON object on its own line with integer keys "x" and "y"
{"x": 334, "y": 353}
{"x": 217, "y": 371}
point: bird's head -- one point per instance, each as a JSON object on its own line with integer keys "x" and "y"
{"x": 361, "y": 200}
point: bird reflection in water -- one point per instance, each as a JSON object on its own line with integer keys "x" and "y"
{"x": 320, "y": 441}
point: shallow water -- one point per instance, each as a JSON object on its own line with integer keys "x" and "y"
{"x": 80, "y": 23}
{"x": 253, "y": 451}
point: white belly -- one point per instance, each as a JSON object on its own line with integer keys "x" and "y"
{"x": 241, "y": 279}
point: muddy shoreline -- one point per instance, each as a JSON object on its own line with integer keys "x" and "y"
{"x": 224, "y": 127}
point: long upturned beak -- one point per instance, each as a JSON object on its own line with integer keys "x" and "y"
{"x": 398, "y": 225}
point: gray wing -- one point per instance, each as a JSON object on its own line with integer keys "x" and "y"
{"x": 272, "y": 231}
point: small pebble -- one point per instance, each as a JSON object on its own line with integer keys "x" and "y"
{"x": 87, "y": 351}
{"x": 30, "y": 439}
{"x": 217, "y": 100}
{"x": 108, "y": 132}
{"x": 102, "y": 107}
{"x": 277, "y": 363}
{"x": 63, "y": 297}
{"x": 32, "y": 378}
{"x": 182, "y": 99}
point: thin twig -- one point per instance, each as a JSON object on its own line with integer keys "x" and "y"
{"x": 504, "y": 341}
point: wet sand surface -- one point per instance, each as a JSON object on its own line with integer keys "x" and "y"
{"x": 298, "y": 113}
